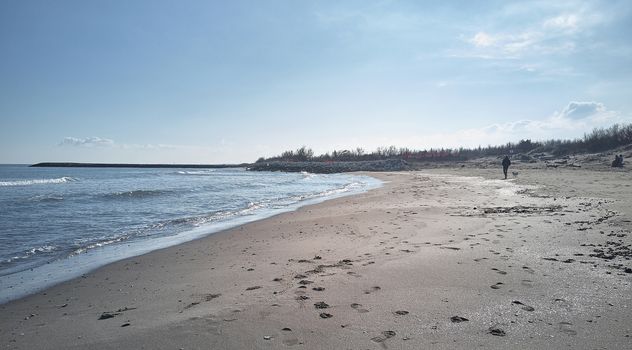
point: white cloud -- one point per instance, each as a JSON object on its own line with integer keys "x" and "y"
{"x": 559, "y": 33}
{"x": 565, "y": 22}
{"x": 94, "y": 141}
{"x": 572, "y": 121}
{"x": 575, "y": 119}
{"x": 86, "y": 142}
{"x": 581, "y": 110}
{"x": 482, "y": 39}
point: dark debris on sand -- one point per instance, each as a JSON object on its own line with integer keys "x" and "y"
{"x": 458, "y": 319}
{"x": 321, "y": 305}
{"x": 496, "y": 331}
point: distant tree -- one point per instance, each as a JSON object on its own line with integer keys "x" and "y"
{"x": 595, "y": 141}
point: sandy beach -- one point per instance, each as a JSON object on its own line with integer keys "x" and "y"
{"x": 449, "y": 258}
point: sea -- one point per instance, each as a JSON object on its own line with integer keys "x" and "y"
{"x": 60, "y": 223}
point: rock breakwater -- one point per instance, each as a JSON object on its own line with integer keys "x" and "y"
{"x": 332, "y": 167}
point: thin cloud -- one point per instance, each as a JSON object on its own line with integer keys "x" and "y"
{"x": 94, "y": 142}
{"x": 559, "y": 33}
{"x": 568, "y": 22}
{"x": 482, "y": 39}
{"x": 86, "y": 142}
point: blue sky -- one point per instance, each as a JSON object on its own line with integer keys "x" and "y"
{"x": 229, "y": 81}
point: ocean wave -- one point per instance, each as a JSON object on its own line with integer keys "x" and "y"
{"x": 46, "y": 198}
{"x": 135, "y": 194}
{"x": 98, "y": 244}
{"x": 196, "y": 172}
{"x": 192, "y": 221}
{"x": 60, "y": 180}
{"x": 307, "y": 196}
{"x": 307, "y": 175}
{"x": 33, "y": 251}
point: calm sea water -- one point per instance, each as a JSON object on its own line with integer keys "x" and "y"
{"x": 57, "y": 223}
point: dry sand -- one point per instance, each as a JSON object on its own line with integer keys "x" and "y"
{"x": 438, "y": 259}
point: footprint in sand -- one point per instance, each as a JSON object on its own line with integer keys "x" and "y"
{"x": 358, "y": 308}
{"x": 528, "y": 269}
{"x": 458, "y": 319}
{"x": 527, "y": 283}
{"x": 372, "y": 289}
{"x": 523, "y": 306}
{"x": 499, "y": 271}
{"x": 496, "y": 286}
{"x": 385, "y": 335}
{"x": 563, "y": 303}
{"x": 496, "y": 331}
{"x": 565, "y": 327}
{"x": 290, "y": 342}
{"x": 321, "y": 305}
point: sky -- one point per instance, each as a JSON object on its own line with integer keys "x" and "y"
{"x": 230, "y": 81}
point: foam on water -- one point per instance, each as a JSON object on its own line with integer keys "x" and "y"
{"x": 60, "y": 180}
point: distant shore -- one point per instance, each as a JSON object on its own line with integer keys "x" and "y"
{"x": 127, "y": 165}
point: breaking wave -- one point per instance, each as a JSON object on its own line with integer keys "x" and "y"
{"x": 27, "y": 254}
{"x": 60, "y": 180}
{"x": 135, "y": 194}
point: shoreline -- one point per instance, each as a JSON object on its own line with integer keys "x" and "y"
{"x": 393, "y": 266}
{"x": 29, "y": 281}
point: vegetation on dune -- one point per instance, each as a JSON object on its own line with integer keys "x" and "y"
{"x": 598, "y": 140}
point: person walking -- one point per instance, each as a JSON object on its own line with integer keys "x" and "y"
{"x": 506, "y": 164}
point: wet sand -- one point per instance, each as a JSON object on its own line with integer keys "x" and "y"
{"x": 434, "y": 259}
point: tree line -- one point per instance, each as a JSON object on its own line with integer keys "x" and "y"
{"x": 598, "y": 140}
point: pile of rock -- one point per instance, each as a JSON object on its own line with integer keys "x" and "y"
{"x": 332, "y": 167}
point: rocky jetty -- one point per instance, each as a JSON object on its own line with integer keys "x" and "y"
{"x": 332, "y": 167}
{"x": 128, "y": 165}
